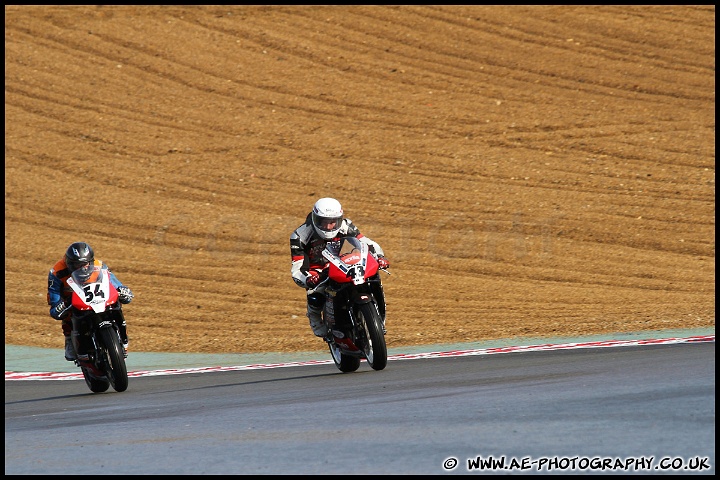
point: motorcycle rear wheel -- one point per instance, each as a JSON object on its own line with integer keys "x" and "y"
{"x": 116, "y": 368}
{"x": 96, "y": 385}
{"x": 376, "y": 349}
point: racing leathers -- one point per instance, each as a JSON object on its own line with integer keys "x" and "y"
{"x": 306, "y": 248}
{"x": 59, "y": 297}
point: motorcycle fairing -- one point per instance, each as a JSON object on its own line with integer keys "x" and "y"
{"x": 352, "y": 261}
{"x": 94, "y": 292}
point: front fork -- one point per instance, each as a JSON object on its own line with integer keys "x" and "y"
{"x": 374, "y": 295}
{"x": 81, "y": 330}
{"x": 119, "y": 319}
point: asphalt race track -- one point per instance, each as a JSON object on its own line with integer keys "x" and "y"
{"x": 625, "y": 410}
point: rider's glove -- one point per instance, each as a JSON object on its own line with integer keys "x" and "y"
{"x": 59, "y": 310}
{"x": 125, "y": 294}
{"x": 383, "y": 263}
{"x": 313, "y": 278}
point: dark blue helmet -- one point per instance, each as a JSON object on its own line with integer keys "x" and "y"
{"x": 78, "y": 254}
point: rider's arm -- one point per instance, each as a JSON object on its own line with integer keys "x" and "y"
{"x": 113, "y": 279}
{"x": 124, "y": 292}
{"x": 374, "y": 246}
{"x": 353, "y": 231}
{"x": 54, "y": 293}
{"x": 297, "y": 273}
{"x": 58, "y": 307}
{"x": 300, "y": 262}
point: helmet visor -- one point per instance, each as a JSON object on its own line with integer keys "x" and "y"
{"x": 78, "y": 264}
{"x": 327, "y": 224}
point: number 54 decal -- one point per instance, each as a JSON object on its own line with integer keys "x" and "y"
{"x": 90, "y": 294}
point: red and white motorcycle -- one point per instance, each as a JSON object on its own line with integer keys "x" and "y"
{"x": 354, "y": 306}
{"x": 97, "y": 318}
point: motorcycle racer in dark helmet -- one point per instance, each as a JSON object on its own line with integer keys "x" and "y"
{"x": 325, "y": 224}
{"x": 78, "y": 255}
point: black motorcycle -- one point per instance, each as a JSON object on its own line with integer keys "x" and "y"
{"x": 354, "y": 306}
{"x": 97, "y": 322}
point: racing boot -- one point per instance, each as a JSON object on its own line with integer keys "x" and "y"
{"x": 70, "y": 355}
{"x": 316, "y": 322}
{"x": 80, "y": 347}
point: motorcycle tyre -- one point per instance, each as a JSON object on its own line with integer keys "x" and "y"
{"x": 117, "y": 370}
{"x": 95, "y": 384}
{"x": 377, "y": 358}
{"x": 344, "y": 363}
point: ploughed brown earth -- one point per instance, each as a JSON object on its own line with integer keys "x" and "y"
{"x": 529, "y": 171}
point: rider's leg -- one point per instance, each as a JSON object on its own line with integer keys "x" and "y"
{"x": 79, "y": 339}
{"x": 67, "y": 332}
{"x": 315, "y": 303}
{"x": 379, "y": 295}
{"x": 122, "y": 329}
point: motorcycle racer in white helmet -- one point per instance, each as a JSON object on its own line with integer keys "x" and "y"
{"x": 324, "y": 224}
{"x": 327, "y": 217}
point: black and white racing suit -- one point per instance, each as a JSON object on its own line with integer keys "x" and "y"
{"x": 306, "y": 248}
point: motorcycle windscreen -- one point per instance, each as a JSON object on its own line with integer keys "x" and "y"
{"x": 352, "y": 262}
{"x": 353, "y": 251}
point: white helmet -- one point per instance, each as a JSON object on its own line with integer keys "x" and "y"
{"x": 327, "y": 217}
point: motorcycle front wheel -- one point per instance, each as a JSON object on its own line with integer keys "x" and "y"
{"x": 344, "y": 363}
{"x": 376, "y": 349}
{"x": 95, "y": 384}
{"x": 116, "y": 369}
